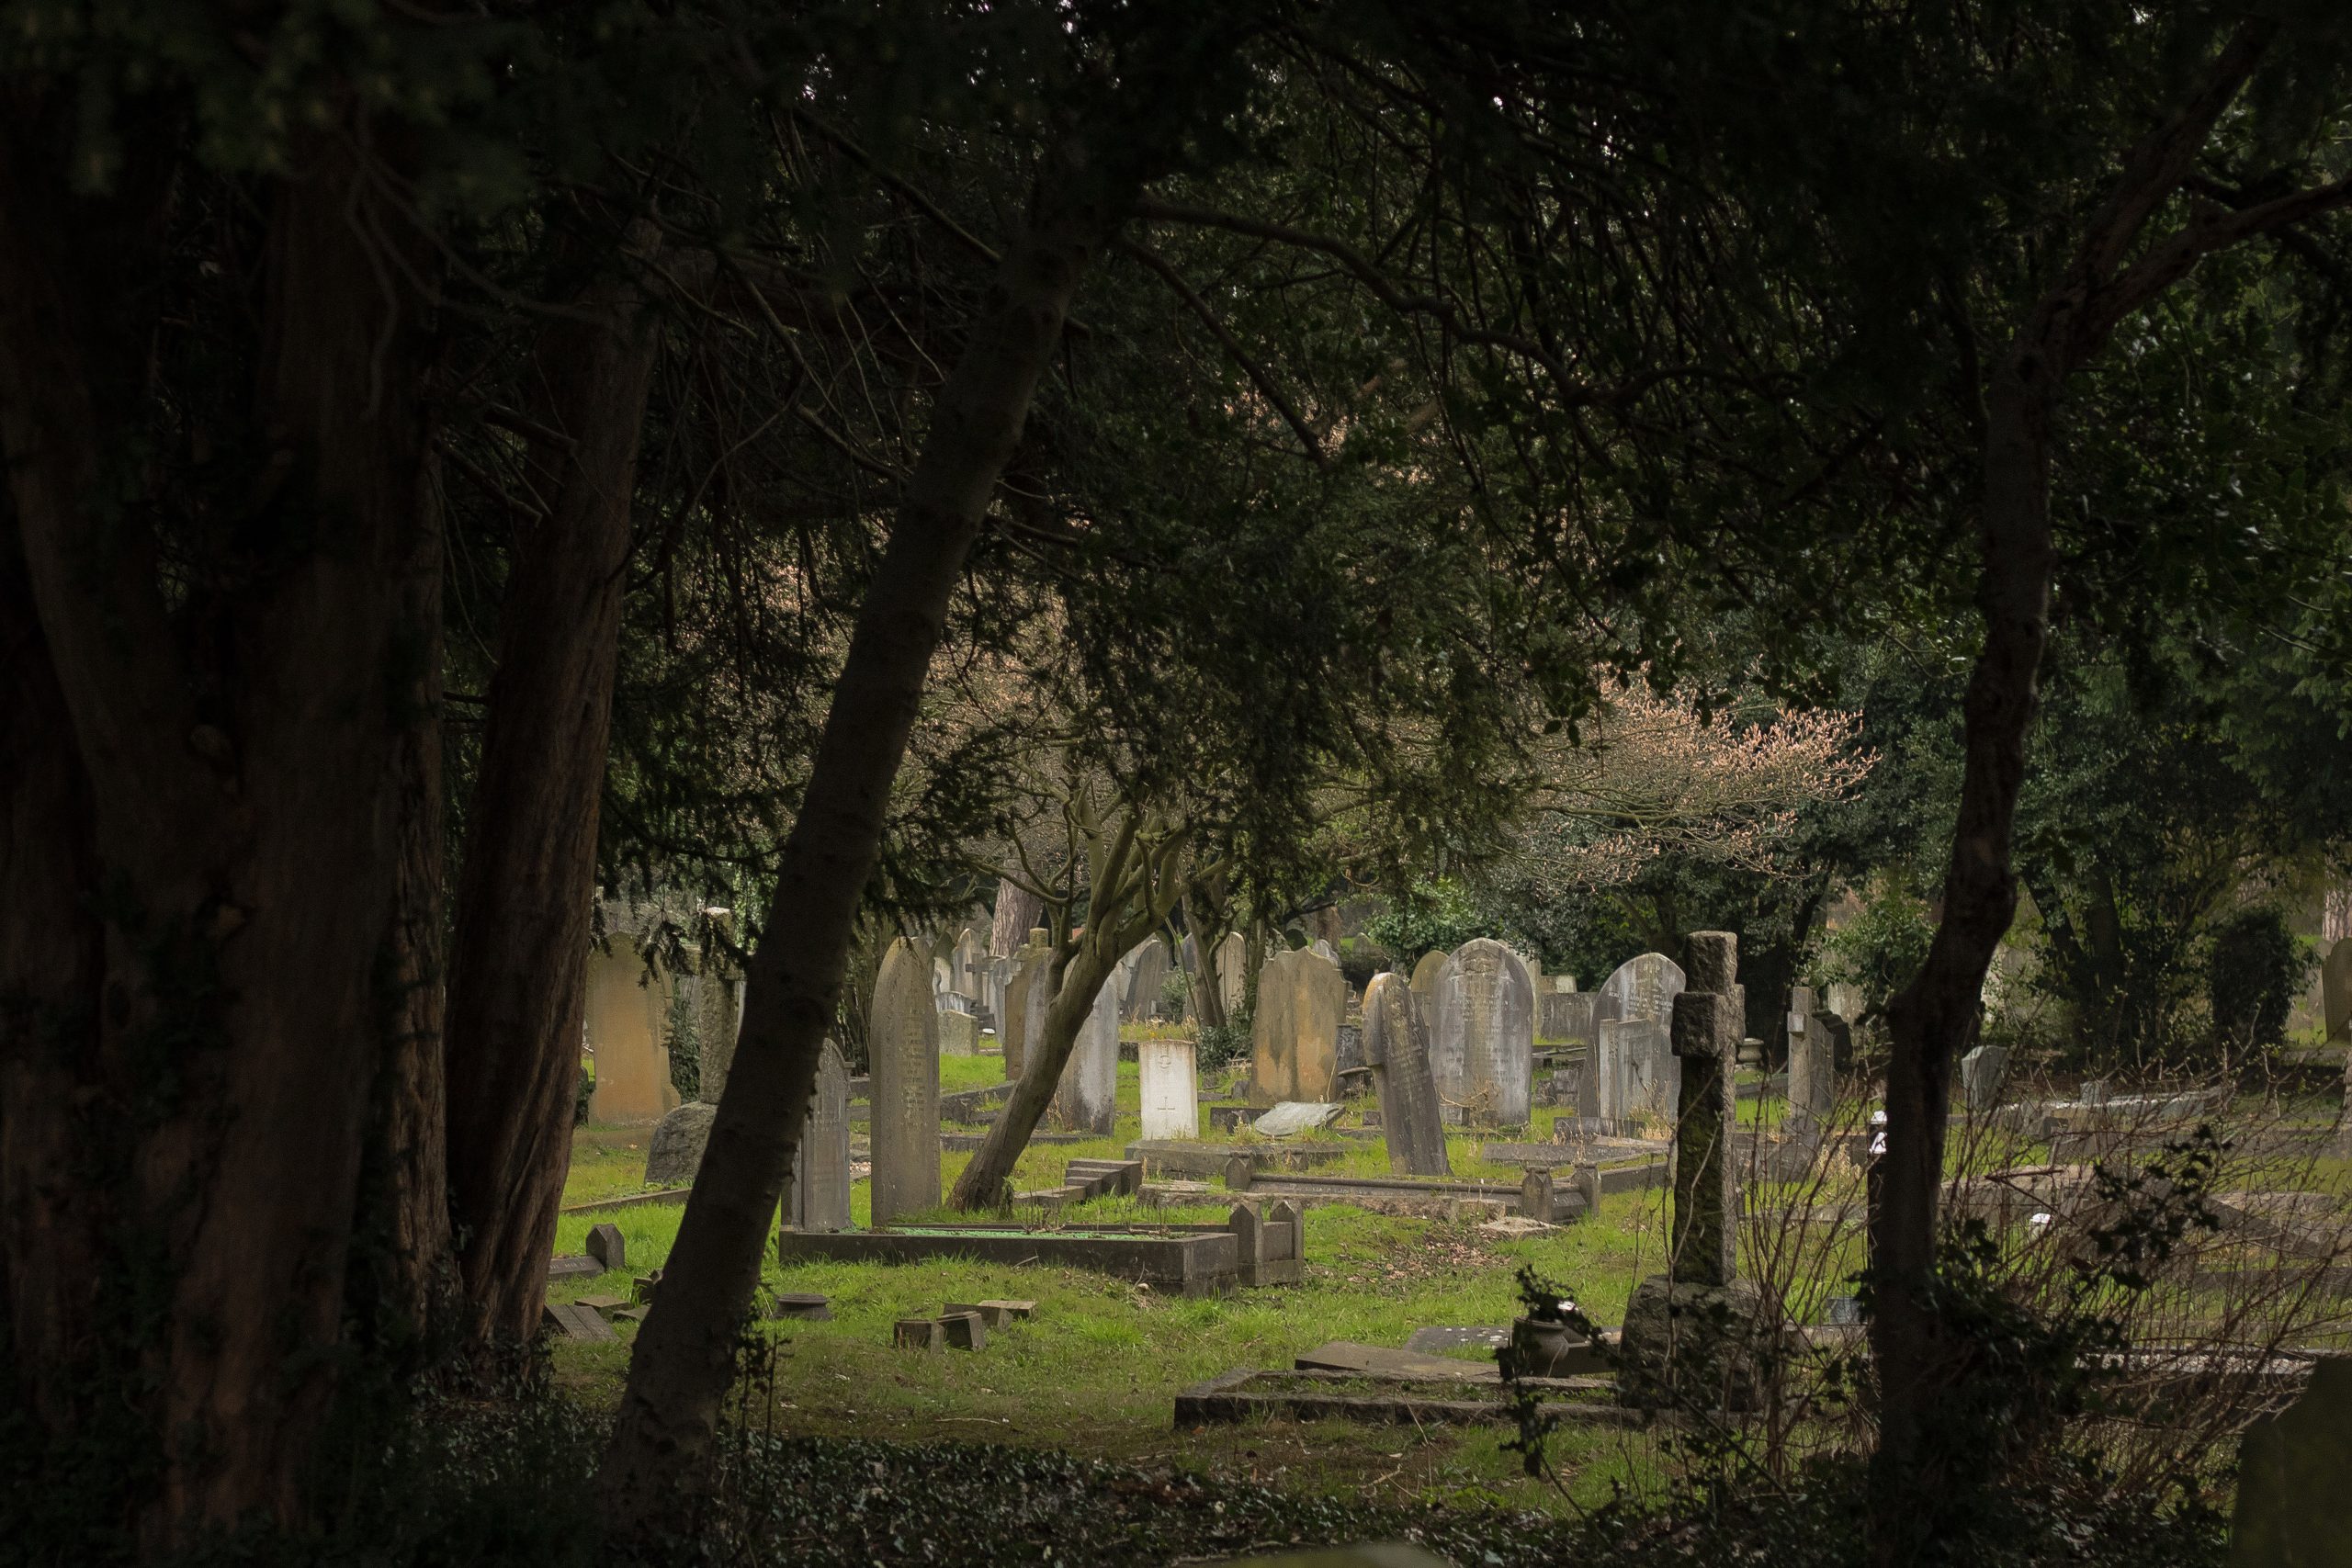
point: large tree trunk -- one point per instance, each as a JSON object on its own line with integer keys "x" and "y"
{"x": 684, "y": 1355}
{"x": 525, "y": 894}
{"x": 1017, "y": 912}
{"x": 236, "y": 757}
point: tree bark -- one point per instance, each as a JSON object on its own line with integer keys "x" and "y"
{"x": 684, "y": 1355}
{"x": 1017, "y": 911}
{"x": 527, "y": 891}
{"x": 242, "y": 802}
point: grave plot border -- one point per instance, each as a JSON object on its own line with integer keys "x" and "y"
{"x": 1254, "y": 1393}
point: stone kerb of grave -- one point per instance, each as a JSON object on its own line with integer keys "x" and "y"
{"x": 1396, "y": 1046}
{"x": 904, "y": 1048}
{"x": 1086, "y": 1097}
{"x": 1691, "y": 1333}
{"x": 817, "y": 1198}
{"x": 1293, "y": 1044}
{"x": 1482, "y": 1033}
{"x": 1171, "y": 1087}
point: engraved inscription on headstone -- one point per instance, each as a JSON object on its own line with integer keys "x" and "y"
{"x": 1482, "y": 1039}
{"x": 903, "y": 1044}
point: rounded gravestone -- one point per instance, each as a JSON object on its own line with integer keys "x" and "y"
{"x": 1426, "y": 972}
{"x": 903, "y": 1049}
{"x": 1482, "y": 1038}
{"x": 1639, "y": 1071}
{"x": 1396, "y": 1046}
{"x": 1232, "y": 957}
{"x": 1146, "y": 980}
{"x": 675, "y": 1152}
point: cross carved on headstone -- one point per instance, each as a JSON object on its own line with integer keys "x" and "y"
{"x": 1706, "y": 1038}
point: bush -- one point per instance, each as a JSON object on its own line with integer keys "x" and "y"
{"x": 1880, "y": 950}
{"x": 1222, "y": 1044}
{"x": 2251, "y": 973}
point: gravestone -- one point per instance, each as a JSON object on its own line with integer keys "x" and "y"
{"x": 717, "y": 1001}
{"x": 1346, "y": 1056}
{"x": 627, "y": 1019}
{"x": 1812, "y": 1067}
{"x": 1425, "y": 975}
{"x": 1564, "y": 1013}
{"x": 1086, "y": 1097}
{"x": 608, "y": 1245}
{"x": 2336, "y": 994}
{"x": 903, "y": 1047}
{"x": 970, "y": 958}
{"x": 943, "y": 975}
{"x": 959, "y": 1032}
{"x": 674, "y": 1152}
{"x": 1294, "y": 1039}
{"x": 1692, "y": 1333}
{"x": 1026, "y": 998}
{"x": 2294, "y": 1473}
{"x": 1980, "y": 1077}
{"x": 1641, "y": 991}
{"x": 1172, "y": 1088}
{"x": 997, "y": 976}
{"x": 1843, "y": 999}
{"x": 1396, "y": 1046}
{"x": 1322, "y": 949}
{"x": 1482, "y": 1033}
{"x": 1232, "y": 957}
{"x": 1635, "y": 1074}
{"x": 1147, "y": 980}
{"x": 817, "y": 1198}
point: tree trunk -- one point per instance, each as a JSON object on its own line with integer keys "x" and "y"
{"x": 684, "y": 1355}
{"x": 1017, "y": 912}
{"x": 984, "y": 1180}
{"x": 525, "y": 894}
{"x": 1208, "y": 1001}
{"x": 238, "y": 751}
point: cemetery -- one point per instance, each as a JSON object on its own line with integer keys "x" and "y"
{"x": 1102, "y": 784}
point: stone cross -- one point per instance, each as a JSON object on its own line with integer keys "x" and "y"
{"x": 1706, "y": 1041}
{"x": 903, "y": 1045}
{"x": 1395, "y": 1048}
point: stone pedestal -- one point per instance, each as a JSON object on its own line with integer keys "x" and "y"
{"x": 1691, "y": 1347}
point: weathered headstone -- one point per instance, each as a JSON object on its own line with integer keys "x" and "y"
{"x": 1980, "y": 1077}
{"x": 1171, "y": 1087}
{"x": 1482, "y": 1033}
{"x": 1634, "y": 1075}
{"x": 2335, "y": 992}
{"x": 959, "y": 1032}
{"x": 717, "y": 999}
{"x": 1086, "y": 1097}
{"x": 1641, "y": 991}
{"x": 608, "y": 1245}
{"x": 1812, "y": 1067}
{"x": 2294, "y": 1473}
{"x": 1293, "y": 1043}
{"x": 970, "y": 958}
{"x": 1026, "y": 998}
{"x": 1232, "y": 959}
{"x": 1324, "y": 950}
{"x": 1396, "y": 1045}
{"x": 674, "y": 1152}
{"x": 817, "y": 1198}
{"x": 903, "y": 1047}
{"x": 1425, "y": 975}
{"x": 627, "y": 1019}
{"x": 1564, "y": 1013}
{"x": 1147, "y": 980}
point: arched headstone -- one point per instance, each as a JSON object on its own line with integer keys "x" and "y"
{"x": 1147, "y": 980}
{"x": 1396, "y": 1046}
{"x": 819, "y": 1200}
{"x": 1232, "y": 954}
{"x": 1294, "y": 1036}
{"x": 1426, "y": 972}
{"x": 904, "y": 1048}
{"x": 1639, "y": 996}
{"x": 1086, "y": 1099}
{"x": 1482, "y": 1038}
{"x": 1026, "y": 996}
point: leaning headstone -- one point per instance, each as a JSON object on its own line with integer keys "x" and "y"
{"x": 1396, "y": 1045}
{"x": 1170, "y": 1088}
{"x": 1482, "y": 1033}
{"x": 1812, "y": 1067}
{"x": 1294, "y": 1041}
{"x": 1147, "y": 980}
{"x": 959, "y": 1032}
{"x": 903, "y": 1046}
{"x": 1086, "y": 1097}
{"x": 674, "y": 1152}
{"x": 2335, "y": 992}
{"x": 608, "y": 1245}
{"x": 819, "y": 1196}
{"x": 2294, "y": 1473}
{"x": 1291, "y": 1118}
{"x": 1980, "y": 1077}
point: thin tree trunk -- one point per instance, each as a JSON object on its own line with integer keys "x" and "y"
{"x": 1208, "y": 1000}
{"x": 684, "y": 1355}
{"x": 527, "y": 891}
{"x": 984, "y": 1180}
